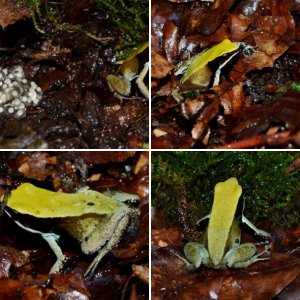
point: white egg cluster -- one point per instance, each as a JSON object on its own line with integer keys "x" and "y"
{"x": 16, "y": 92}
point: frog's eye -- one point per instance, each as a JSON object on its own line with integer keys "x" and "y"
{"x": 90, "y": 204}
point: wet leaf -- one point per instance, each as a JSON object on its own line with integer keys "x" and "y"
{"x": 160, "y": 66}
{"x": 36, "y": 166}
{"x": 267, "y": 62}
{"x": 11, "y": 13}
{"x": 263, "y": 280}
{"x": 10, "y": 257}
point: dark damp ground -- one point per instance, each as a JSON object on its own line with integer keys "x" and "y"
{"x": 77, "y": 109}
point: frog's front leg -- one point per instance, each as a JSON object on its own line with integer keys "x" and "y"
{"x": 140, "y": 81}
{"x": 51, "y": 239}
{"x": 242, "y": 256}
{"x": 261, "y": 233}
{"x": 196, "y": 255}
{"x": 114, "y": 231}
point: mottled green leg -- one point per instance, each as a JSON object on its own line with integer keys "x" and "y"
{"x": 242, "y": 256}
{"x": 195, "y": 254}
{"x": 117, "y": 225}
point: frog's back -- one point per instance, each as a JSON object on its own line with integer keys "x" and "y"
{"x": 41, "y": 203}
{"x": 226, "y": 198}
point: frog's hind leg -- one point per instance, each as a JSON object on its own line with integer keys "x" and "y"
{"x": 114, "y": 231}
{"x": 242, "y": 256}
{"x": 195, "y": 254}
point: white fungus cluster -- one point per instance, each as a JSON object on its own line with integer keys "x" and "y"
{"x": 16, "y": 92}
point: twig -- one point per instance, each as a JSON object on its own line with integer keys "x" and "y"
{"x": 260, "y": 140}
{"x": 44, "y": 54}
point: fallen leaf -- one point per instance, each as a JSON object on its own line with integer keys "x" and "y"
{"x": 11, "y": 13}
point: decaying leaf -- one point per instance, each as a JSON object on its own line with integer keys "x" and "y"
{"x": 11, "y": 13}
{"x": 190, "y": 35}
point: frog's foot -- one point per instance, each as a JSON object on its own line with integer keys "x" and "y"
{"x": 196, "y": 254}
{"x": 189, "y": 266}
{"x": 249, "y": 262}
{"x": 140, "y": 81}
{"x": 242, "y": 256}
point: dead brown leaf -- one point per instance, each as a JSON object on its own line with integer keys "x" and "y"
{"x": 160, "y": 67}
{"x": 36, "y": 166}
{"x": 11, "y": 13}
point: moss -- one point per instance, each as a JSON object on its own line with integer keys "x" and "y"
{"x": 269, "y": 190}
{"x": 34, "y": 8}
{"x": 130, "y": 16}
{"x": 293, "y": 86}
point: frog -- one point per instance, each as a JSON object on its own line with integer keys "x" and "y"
{"x": 120, "y": 84}
{"x": 222, "y": 248}
{"x": 99, "y": 222}
{"x": 196, "y": 72}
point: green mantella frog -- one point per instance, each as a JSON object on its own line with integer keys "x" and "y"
{"x": 222, "y": 248}
{"x": 97, "y": 221}
{"x": 120, "y": 84}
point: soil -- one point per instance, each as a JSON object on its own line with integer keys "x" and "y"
{"x": 77, "y": 110}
